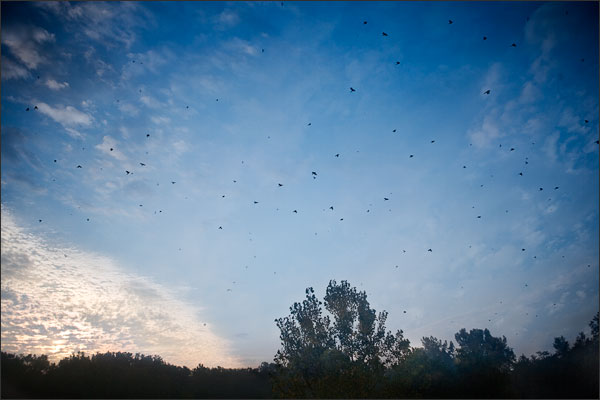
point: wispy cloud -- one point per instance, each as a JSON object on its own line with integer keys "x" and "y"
{"x": 226, "y": 19}
{"x": 12, "y": 70}
{"x": 69, "y": 117}
{"x": 24, "y": 42}
{"x": 54, "y": 85}
{"x": 59, "y": 300}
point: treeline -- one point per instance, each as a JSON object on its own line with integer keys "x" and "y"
{"x": 343, "y": 351}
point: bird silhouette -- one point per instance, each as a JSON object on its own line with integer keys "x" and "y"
{"x": 314, "y": 173}
{"x": 147, "y": 135}
{"x": 479, "y": 216}
{"x": 364, "y": 22}
{"x": 127, "y": 172}
{"x": 111, "y": 149}
{"x": 220, "y": 227}
{"x": 433, "y": 141}
{"x": 35, "y": 108}
{"x": 341, "y": 219}
{"x": 385, "y": 199}
{"x": 142, "y": 164}
{"x": 394, "y": 130}
{"x": 556, "y": 188}
{"x": 404, "y": 311}
{"x": 337, "y": 155}
{"x": 487, "y": 91}
{"x": 449, "y": 21}
{"x": 352, "y": 89}
{"x": 295, "y": 211}
{"x": 586, "y": 121}
{"x": 310, "y": 123}
{"x": 384, "y": 34}
{"x": 54, "y": 160}
{"x": 430, "y": 250}
{"x": 172, "y": 182}
{"x": 522, "y": 249}
{"x": 39, "y": 220}
{"x": 485, "y": 38}
{"x": 331, "y": 208}
{"x": 397, "y": 62}
{"x": 279, "y": 184}
{"x": 512, "y": 149}
{"x": 79, "y": 166}
{"x": 541, "y": 189}
{"x": 256, "y": 202}
{"x": 411, "y": 156}
{"x": 464, "y": 166}
{"x": 27, "y": 109}
{"x": 514, "y": 45}
{"x": 520, "y": 173}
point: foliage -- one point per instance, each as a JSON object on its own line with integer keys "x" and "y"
{"x": 342, "y": 351}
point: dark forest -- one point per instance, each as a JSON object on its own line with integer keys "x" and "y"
{"x": 344, "y": 352}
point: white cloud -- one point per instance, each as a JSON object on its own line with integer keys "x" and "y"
{"x": 226, "y": 19}
{"x": 58, "y": 300}
{"x": 12, "y": 70}
{"x": 52, "y": 84}
{"x": 24, "y": 43}
{"x": 67, "y": 116}
{"x": 128, "y": 109}
{"x": 180, "y": 147}
{"x": 486, "y": 134}
{"x": 109, "y": 147}
{"x": 160, "y": 120}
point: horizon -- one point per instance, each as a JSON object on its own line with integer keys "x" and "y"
{"x": 175, "y": 175}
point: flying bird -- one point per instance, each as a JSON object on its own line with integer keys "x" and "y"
{"x": 449, "y": 21}
{"x": 433, "y": 141}
{"x": 352, "y": 89}
{"x": 586, "y": 121}
{"x": 27, "y": 109}
{"x": 256, "y": 202}
{"x": 314, "y": 173}
{"x": 541, "y": 189}
{"x": 464, "y": 166}
{"x": 127, "y": 172}
{"x": 485, "y": 38}
{"x": 397, "y": 62}
{"x": 147, "y": 135}
{"x": 337, "y": 155}
{"x": 556, "y": 188}
{"x": 430, "y": 250}
{"x": 364, "y": 22}
{"x": 394, "y": 130}
{"x": 514, "y": 45}
{"x": 384, "y": 34}
{"x": 331, "y": 208}
{"x": 39, "y": 220}
{"x": 309, "y": 124}
{"x": 385, "y": 199}
{"x": 487, "y": 92}
{"x": 279, "y": 184}
{"x": 520, "y": 173}
{"x": 111, "y": 149}
{"x": 142, "y": 164}
{"x": 479, "y": 216}
{"x": 295, "y": 211}
{"x": 79, "y": 166}
{"x": 35, "y": 108}
{"x": 172, "y": 182}
{"x": 220, "y": 227}
{"x": 54, "y": 160}
{"x": 512, "y": 149}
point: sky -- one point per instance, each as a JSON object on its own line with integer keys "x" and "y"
{"x": 169, "y": 171}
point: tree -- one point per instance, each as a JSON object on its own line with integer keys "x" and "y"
{"x": 484, "y": 362}
{"x": 343, "y": 358}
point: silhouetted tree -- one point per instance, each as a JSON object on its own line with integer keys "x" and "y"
{"x": 484, "y": 363}
{"x": 346, "y": 358}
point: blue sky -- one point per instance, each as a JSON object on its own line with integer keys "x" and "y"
{"x": 238, "y": 98}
